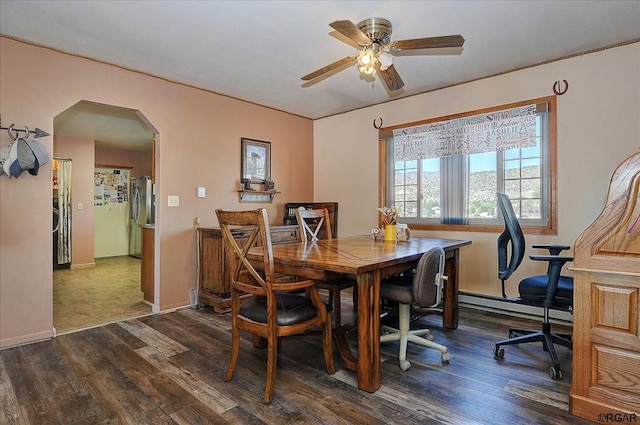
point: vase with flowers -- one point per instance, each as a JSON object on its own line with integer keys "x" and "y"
{"x": 389, "y": 222}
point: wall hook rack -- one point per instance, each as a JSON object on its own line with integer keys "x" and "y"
{"x": 13, "y": 132}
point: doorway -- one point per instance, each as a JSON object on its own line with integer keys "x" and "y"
{"x": 98, "y": 289}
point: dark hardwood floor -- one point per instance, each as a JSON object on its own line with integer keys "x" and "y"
{"x": 169, "y": 369}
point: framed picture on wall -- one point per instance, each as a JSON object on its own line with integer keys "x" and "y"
{"x": 255, "y": 160}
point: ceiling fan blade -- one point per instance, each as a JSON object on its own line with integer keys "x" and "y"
{"x": 430, "y": 42}
{"x": 391, "y": 78}
{"x": 330, "y": 67}
{"x": 350, "y": 30}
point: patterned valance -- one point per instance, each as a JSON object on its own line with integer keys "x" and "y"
{"x": 500, "y": 130}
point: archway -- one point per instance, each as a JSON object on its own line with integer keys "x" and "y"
{"x": 108, "y": 146}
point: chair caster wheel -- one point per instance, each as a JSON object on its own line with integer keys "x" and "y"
{"x": 555, "y": 373}
{"x": 445, "y": 358}
{"x": 498, "y": 352}
{"x": 405, "y": 365}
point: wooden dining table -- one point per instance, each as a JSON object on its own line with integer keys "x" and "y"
{"x": 369, "y": 261}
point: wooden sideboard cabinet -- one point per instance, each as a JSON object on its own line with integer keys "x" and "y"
{"x": 606, "y": 306}
{"x": 214, "y": 279}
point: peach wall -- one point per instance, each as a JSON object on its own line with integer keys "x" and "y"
{"x": 198, "y": 145}
{"x": 139, "y": 162}
{"x": 81, "y": 153}
{"x": 598, "y": 127}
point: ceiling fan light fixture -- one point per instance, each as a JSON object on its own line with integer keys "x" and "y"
{"x": 385, "y": 59}
{"x": 367, "y": 57}
{"x": 367, "y": 60}
{"x": 367, "y": 70}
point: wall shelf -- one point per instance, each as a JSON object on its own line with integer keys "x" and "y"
{"x": 256, "y": 195}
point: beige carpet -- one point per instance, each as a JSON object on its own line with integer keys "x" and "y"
{"x": 106, "y": 293}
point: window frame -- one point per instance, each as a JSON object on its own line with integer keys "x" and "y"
{"x": 552, "y": 226}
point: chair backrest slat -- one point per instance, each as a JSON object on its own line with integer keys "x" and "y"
{"x": 322, "y": 228}
{"x": 244, "y": 253}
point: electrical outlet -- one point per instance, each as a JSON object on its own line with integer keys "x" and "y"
{"x": 174, "y": 201}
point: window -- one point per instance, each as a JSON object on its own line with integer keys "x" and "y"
{"x": 444, "y": 173}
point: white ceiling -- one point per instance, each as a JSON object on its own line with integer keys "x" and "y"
{"x": 258, "y": 50}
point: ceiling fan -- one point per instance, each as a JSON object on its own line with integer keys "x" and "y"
{"x": 373, "y": 35}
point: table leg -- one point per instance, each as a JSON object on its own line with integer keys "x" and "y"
{"x": 368, "y": 367}
{"x": 450, "y": 307}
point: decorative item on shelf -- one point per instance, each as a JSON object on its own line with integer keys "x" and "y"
{"x": 269, "y": 185}
{"x": 403, "y": 232}
{"x": 389, "y": 221}
{"x": 249, "y": 194}
{"x": 246, "y": 184}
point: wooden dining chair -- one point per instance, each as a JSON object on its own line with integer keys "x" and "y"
{"x": 273, "y": 311}
{"x": 314, "y": 225}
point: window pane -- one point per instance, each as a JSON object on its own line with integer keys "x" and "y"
{"x": 512, "y": 169}
{"x": 430, "y": 187}
{"x": 411, "y": 177}
{"x": 530, "y": 168}
{"x": 512, "y": 154}
{"x": 531, "y": 152}
{"x": 530, "y": 209}
{"x": 512, "y": 189}
{"x": 531, "y": 188}
{"x": 483, "y": 182}
{"x": 410, "y": 210}
{"x": 405, "y": 188}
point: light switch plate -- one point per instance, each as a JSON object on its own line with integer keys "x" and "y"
{"x": 174, "y": 200}
{"x": 201, "y": 192}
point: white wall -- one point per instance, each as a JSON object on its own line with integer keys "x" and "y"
{"x": 598, "y": 127}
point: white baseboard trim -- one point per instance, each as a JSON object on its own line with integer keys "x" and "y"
{"x": 27, "y": 339}
{"x": 83, "y": 266}
{"x": 498, "y": 305}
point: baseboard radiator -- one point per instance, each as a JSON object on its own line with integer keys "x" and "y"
{"x": 499, "y": 305}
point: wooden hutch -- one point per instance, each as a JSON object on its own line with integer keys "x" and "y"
{"x": 606, "y": 329}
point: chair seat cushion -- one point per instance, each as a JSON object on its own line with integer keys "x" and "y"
{"x": 290, "y": 309}
{"x": 398, "y": 288}
{"x": 533, "y": 291}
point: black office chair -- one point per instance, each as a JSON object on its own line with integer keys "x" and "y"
{"x": 550, "y": 291}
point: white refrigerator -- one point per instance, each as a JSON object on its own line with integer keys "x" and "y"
{"x": 142, "y": 212}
